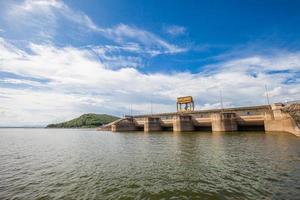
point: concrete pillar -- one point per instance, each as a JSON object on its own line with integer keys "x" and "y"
{"x": 274, "y": 118}
{"x": 278, "y": 121}
{"x": 222, "y": 122}
{"x": 183, "y": 123}
{"x": 152, "y": 124}
{"x": 125, "y": 125}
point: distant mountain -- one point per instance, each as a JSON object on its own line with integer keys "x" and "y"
{"x": 85, "y": 121}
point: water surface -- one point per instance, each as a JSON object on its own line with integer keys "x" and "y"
{"x": 86, "y": 164}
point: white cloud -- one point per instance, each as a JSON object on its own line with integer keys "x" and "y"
{"x": 112, "y": 56}
{"x": 77, "y": 82}
{"x": 49, "y": 9}
{"x": 175, "y": 30}
{"x": 151, "y": 43}
{"x": 104, "y": 80}
{"x": 42, "y": 16}
{"x": 20, "y": 82}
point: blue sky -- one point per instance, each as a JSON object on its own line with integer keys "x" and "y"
{"x": 59, "y": 59}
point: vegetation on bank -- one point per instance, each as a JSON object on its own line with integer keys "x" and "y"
{"x": 86, "y": 121}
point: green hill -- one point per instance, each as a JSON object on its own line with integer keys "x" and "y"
{"x": 85, "y": 121}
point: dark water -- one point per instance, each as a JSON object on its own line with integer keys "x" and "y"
{"x": 86, "y": 164}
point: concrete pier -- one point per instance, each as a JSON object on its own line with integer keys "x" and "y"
{"x": 269, "y": 118}
{"x": 183, "y": 123}
{"x": 152, "y": 124}
{"x": 222, "y": 122}
{"x": 277, "y": 121}
{"x": 127, "y": 124}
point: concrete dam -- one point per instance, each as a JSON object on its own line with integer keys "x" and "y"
{"x": 277, "y": 117}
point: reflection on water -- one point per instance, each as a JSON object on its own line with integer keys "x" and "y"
{"x": 86, "y": 164}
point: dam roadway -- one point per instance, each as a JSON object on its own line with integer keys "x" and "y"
{"x": 270, "y": 118}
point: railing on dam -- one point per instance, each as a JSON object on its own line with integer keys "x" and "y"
{"x": 249, "y": 110}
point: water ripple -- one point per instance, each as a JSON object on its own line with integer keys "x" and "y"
{"x": 85, "y": 164}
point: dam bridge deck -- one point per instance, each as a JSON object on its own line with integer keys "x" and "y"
{"x": 275, "y": 117}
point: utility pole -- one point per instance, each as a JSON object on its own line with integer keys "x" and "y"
{"x": 267, "y": 95}
{"x": 151, "y": 104}
{"x": 221, "y": 99}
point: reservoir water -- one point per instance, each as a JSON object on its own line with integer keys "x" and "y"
{"x": 86, "y": 164}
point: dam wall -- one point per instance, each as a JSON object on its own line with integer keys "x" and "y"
{"x": 269, "y": 118}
